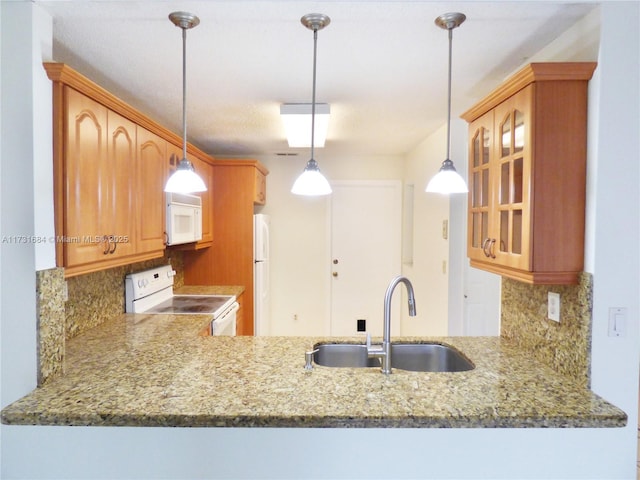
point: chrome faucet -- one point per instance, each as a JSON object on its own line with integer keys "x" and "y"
{"x": 385, "y": 351}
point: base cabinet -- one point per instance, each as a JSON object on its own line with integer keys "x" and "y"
{"x": 229, "y": 261}
{"x": 527, "y": 175}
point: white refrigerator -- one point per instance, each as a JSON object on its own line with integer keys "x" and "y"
{"x": 260, "y": 274}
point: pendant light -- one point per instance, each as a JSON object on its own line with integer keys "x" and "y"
{"x": 448, "y": 180}
{"x": 184, "y": 179}
{"x": 311, "y": 182}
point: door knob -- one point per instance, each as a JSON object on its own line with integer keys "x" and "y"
{"x": 335, "y": 274}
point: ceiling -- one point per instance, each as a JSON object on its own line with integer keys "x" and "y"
{"x": 382, "y": 65}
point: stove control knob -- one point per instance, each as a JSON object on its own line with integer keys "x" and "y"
{"x": 141, "y": 283}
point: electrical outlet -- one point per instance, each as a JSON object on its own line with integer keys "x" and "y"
{"x": 553, "y": 306}
{"x": 361, "y": 325}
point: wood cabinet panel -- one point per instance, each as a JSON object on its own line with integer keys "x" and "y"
{"x": 230, "y": 260}
{"x": 110, "y": 167}
{"x": 527, "y": 175}
{"x": 87, "y": 179}
{"x": 152, "y": 174}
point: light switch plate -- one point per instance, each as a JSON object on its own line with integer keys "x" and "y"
{"x": 617, "y": 321}
{"x": 553, "y": 306}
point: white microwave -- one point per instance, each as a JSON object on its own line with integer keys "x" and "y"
{"x": 184, "y": 218}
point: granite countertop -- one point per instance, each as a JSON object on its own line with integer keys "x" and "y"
{"x": 154, "y": 370}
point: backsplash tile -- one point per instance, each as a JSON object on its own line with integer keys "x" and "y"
{"x": 564, "y": 346}
{"x": 51, "y": 328}
{"x": 96, "y": 297}
{"x": 92, "y": 299}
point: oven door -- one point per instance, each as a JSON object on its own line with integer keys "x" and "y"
{"x": 225, "y": 324}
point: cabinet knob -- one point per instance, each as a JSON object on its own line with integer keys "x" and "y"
{"x": 335, "y": 274}
{"x": 335, "y": 261}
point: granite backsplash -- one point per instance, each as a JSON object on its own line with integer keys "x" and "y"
{"x": 91, "y": 299}
{"x": 564, "y": 346}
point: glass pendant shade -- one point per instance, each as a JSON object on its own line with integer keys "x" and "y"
{"x": 311, "y": 182}
{"x": 447, "y": 180}
{"x": 185, "y": 179}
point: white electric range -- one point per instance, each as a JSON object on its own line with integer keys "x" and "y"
{"x": 151, "y": 292}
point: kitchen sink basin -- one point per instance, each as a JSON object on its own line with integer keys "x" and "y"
{"x": 343, "y": 355}
{"x": 416, "y": 357}
{"x": 428, "y": 357}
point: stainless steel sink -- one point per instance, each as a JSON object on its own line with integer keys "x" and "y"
{"x": 428, "y": 357}
{"x": 416, "y": 357}
{"x": 343, "y": 355}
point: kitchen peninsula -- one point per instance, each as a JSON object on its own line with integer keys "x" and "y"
{"x": 155, "y": 370}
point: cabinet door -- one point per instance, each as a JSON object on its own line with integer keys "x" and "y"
{"x": 480, "y": 179}
{"x": 511, "y": 176}
{"x": 121, "y": 152}
{"x": 152, "y": 174}
{"x": 86, "y": 184}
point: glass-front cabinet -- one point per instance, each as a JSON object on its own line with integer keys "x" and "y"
{"x": 527, "y": 173}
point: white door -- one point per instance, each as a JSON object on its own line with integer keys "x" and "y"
{"x": 481, "y": 303}
{"x": 365, "y": 255}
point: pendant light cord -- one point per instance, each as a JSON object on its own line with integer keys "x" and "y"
{"x": 313, "y": 93}
{"x": 449, "y": 96}
{"x": 184, "y": 93}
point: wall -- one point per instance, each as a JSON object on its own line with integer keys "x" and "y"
{"x": 81, "y": 452}
{"x": 300, "y": 249}
{"x": 429, "y": 269}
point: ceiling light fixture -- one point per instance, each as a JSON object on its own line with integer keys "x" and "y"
{"x": 296, "y": 118}
{"x": 184, "y": 179}
{"x": 448, "y": 180}
{"x": 311, "y": 182}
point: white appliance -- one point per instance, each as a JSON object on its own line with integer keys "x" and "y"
{"x": 260, "y": 274}
{"x": 184, "y": 218}
{"x": 151, "y": 292}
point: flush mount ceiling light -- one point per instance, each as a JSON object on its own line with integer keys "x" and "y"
{"x": 296, "y": 118}
{"x": 448, "y": 180}
{"x": 184, "y": 179}
{"x": 311, "y": 182}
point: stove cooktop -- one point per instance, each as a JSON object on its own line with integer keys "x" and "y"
{"x": 185, "y": 304}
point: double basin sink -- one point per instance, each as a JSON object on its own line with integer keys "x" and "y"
{"x": 415, "y": 357}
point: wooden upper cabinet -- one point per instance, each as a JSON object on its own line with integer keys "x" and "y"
{"x": 151, "y": 175}
{"x": 110, "y": 166}
{"x": 99, "y": 182}
{"x": 527, "y": 175}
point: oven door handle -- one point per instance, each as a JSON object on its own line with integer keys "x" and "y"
{"x": 228, "y": 316}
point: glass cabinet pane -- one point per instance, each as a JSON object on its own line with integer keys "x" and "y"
{"x": 475, "y": 230}
{"x": 518, "y": 131}
{"x": 485, "y": 188}
{"x": 505, "y": 137}
{"x": 517, "y": 180}
{"x": 505, "y": 183}
{"x": 485, "y": 226}
{"x": 504, "y": 230}
{"x": 486, "y": 144}
{"x": 476, "y": 149}
{"x": 477, "y": 188}
{"x": 516, "y": 245}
